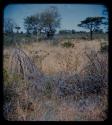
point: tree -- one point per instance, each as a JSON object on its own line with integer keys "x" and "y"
{"x": 98, "y": 31}
{"x": 92, "y": 23}
{"x": 45, "y": 22}
{"x": 50, "y": 21}
{"x": 21, "y": 32}
{"x": 73, "y": 31}
{"x": 105, "y": 13}
{"x": 31, "y": 24}
{"x": 8, "y": 25}
{"x": 17, "y": 28}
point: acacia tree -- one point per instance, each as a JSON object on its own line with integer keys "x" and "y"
{"x": 92, "y": 23}
{"x": 31, "y": 24}
{"x": 50, "y": 21}
{"x": 47, "y": 22}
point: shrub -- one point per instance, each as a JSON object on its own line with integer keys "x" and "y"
{"x": 97, "y": 72}
{"x": 68, "y": 44}
{"x": 104, "y": 47}
{"x": 8, "y": 40}
{"x": 93, "y": 81}
{"x": 84, "y": 38}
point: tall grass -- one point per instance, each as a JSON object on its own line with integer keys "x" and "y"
{"x": 67, "y": 95}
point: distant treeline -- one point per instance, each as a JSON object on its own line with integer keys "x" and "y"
{"x": 12, "y": 39}
{"x": 44, "y": 25}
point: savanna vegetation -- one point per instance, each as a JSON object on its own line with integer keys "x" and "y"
{"x": 51, "y": 76}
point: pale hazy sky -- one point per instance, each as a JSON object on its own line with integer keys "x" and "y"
{"x": 71, "y": 14}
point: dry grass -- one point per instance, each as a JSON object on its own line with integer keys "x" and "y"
{"x": 53, "y": 59}
{"x": 75, "y": 81}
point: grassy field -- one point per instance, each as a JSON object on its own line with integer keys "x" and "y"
{"x": 75, "y": 79}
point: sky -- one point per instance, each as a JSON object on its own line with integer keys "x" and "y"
{"x": 71, "y": 14}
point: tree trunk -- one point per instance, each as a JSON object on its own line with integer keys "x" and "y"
{"x": 91, "y": 34}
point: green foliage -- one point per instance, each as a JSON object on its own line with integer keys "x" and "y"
{"x": 31, "y": 24}
{"x": 8, "y": 40}
{"x": 92, "y": 23}
{"x": 68, "y": 44}
{"x": 45, "y": 22}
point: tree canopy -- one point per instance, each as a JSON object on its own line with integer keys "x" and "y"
{"x": 92, "y": 23}
{"x": 47, "y": 21}
{"x": 31, "y": 23}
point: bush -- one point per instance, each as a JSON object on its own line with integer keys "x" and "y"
{"x": 8, "y": 40}
{"x": 93, "y": 81}
{"x": 104, "y": 47}
{"x": 84, "y": 38}
{"x": 97, "y": 72}
{"x": 68, "y": 44}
